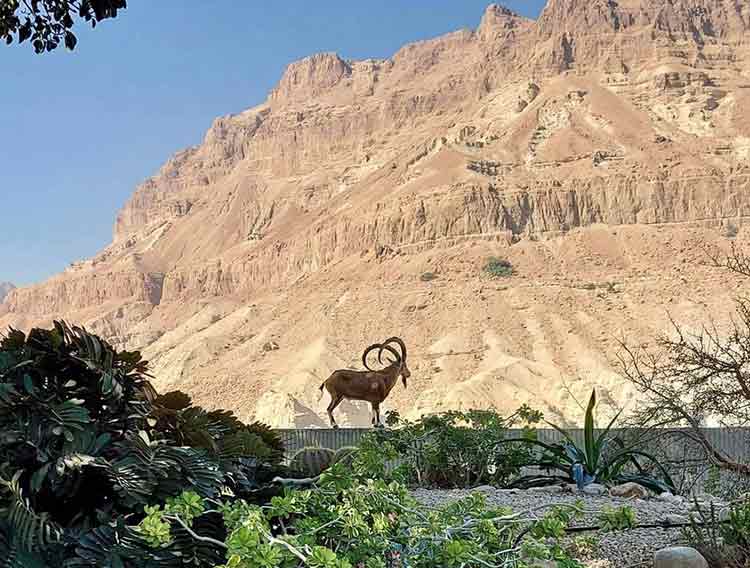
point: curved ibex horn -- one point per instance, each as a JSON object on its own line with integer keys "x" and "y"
{"x": 400, "y": 343}
{"x": 390, "y": 350}
{"x": 369, "y": 350}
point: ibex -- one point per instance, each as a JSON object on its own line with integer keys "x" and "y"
{"x": 371, "y": 386}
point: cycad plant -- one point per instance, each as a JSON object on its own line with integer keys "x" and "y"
{"x": 602, "y": 458}
{"x": 81, "y": 452}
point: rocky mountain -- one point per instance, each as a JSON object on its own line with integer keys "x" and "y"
{"x": 599, "y": 149}
{"x": 5, "y": 287}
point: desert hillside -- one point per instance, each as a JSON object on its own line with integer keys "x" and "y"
{"x": 599, "y": 149}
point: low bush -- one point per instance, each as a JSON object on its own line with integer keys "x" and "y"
{"x": 452, "y": 449}
{"x": 346, "y": 521}
{"x": 723, "y": 544}
{"x": 618, "y": 519}
{"x": 498, "y": 267}
{"x": 428, "y": 277}
{"x": 345, "y": 455}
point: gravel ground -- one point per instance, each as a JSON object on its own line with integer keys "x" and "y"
{"x": 620, "y": 549}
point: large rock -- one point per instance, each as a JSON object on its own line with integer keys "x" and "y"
{"x": 629, "y": 490}
{"x": 679, "y": 557}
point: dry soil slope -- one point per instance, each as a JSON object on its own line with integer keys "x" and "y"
{"x": 599, "y": 148}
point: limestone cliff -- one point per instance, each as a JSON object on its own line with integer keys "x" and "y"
{"x": 599, "y": 149}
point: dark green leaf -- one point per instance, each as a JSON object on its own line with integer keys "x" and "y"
{"x": 24, "y": 33}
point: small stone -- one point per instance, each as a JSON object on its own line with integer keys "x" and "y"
{"x": 594, "y": 489}
{"x": 270, "y": 346}
{"x": 666, "y": 497}
{"x": 677, "y": 500}
{"x": 679, "y": 557}
{"x": 546, "y": 489}
{"x": 629, "y": 490}
{"x": 676, "y": 519}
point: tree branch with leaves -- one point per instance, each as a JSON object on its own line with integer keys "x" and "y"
{"x": 48, "y": 23}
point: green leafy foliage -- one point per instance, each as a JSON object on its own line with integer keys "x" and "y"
{"x": 723, "y": 544}
{"x": 452, "y": 449}
{"x": 345, "y": 456}
{"x": 219, "y": 432}
{"x": 736, "y": 531}
{"x": 617, "y": 519}
{"x": 47, "y": 23}
{"x": 346, "y": 521}
{"x": 82, "y": 451}
{"x": 601, "y": 458}
{"x": 249, "y": 455}
{"x": 498, "y": 267}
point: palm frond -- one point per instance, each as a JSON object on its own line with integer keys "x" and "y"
{"x": 30, "y": 530}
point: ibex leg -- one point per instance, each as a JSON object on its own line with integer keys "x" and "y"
{"x": 376, "y": 415}
{"x": 335, "y": 401}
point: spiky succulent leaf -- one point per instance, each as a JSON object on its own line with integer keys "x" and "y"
{"x": 588, "y": 434}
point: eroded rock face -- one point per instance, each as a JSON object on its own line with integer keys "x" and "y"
{"x": 311, "y": 77}
{"x": 599, "y": 149}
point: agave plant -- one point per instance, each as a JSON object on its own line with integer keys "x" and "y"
{"x": 602, "y": 458}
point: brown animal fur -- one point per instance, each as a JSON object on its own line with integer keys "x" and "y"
{"x": 371, "y": 386}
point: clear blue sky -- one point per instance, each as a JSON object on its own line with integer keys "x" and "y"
{"x": 80, "y": 130}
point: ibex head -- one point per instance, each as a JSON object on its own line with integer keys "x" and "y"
{"x": 398, "y": 363}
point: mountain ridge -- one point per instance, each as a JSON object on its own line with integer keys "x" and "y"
{"x": 598, "y": 148}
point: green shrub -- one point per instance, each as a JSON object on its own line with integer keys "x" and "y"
{"x": 84, "y": 447}
{"x": 311, "y": 462}
{"x": 452, "y": 449}
{"x": 731, "y": 230}
{"x": 736, "y": 532}
{"x": 346, "y": 521}
{"x": 618, "y": 519}
{"x": 428, "y": 277}
{"x": 345, "y": 456}
{"x": 722, "y": 544}
{"x": 498, "y": 267}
